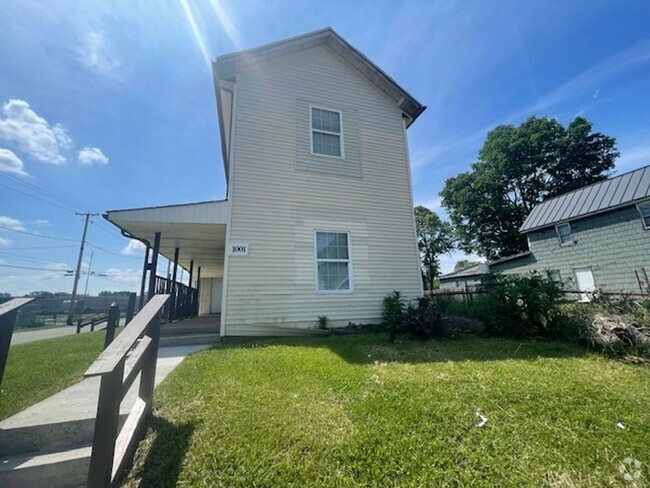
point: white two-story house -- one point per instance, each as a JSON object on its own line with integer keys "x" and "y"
{"x": 318, "y": 218}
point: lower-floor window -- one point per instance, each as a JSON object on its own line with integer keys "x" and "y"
{"x": 333, "y": 261}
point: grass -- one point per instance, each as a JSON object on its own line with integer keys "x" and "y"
{"x": 357, "y": 411}
{"x": 37, "y": 370}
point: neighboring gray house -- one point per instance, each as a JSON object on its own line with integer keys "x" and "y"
{"x": 462, "y": 279}
{"x": 595, "y": 237}
{"x": 318, "y": 216}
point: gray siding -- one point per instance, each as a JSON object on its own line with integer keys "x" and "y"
{"x": 277, "y": 207}
{"x": 613, "y": 244}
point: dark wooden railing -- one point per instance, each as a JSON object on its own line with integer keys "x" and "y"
{"x": 133, "y": 352}
{"x": 184, "y": 301}
{"x": 8, "y": 312}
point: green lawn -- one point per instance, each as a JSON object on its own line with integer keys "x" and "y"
{"x": 356, "y": 411}
{"x": 39, "y": 369}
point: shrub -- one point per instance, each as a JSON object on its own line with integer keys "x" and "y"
{"x": 392, "y": 316}
{"x": 322, "y": 321}
{"x": 423, "y": 319}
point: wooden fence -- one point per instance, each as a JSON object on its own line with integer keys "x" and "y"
{"x": 133, "y": 352}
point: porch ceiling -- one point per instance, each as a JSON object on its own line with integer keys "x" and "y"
{"x": 198, "y": 230}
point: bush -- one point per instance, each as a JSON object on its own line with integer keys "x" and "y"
{"x": 423, "y": 319}
{"x": 420, "y": 319}
{"x": 322, "y": 321}
{"x": 392, "y": 316}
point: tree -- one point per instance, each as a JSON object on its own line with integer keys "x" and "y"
{"x": 517, "y": 168}
{"x": 109, "y": 293}
{"x": 465, "y": 263}
{"x": 435, "y": 237}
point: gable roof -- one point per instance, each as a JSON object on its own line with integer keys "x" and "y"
{"x": 226, "y": 67}
{"x": 476, "y": 270}
{"x": 621, "y": 191}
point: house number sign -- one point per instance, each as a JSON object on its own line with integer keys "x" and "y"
{"x": 239, "y": 248}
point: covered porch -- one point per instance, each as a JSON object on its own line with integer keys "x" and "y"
{"x": 191, "y": 236}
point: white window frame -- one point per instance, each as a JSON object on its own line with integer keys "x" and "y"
{"x": 312, "y": 130}
{"x": 322, "y": 260}
{"x": 559, "y": 237}
{"x": 638, "y": 207}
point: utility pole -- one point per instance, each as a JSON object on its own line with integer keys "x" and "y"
{"x": 90, "y": 265}
{"x": 78, "y": 271}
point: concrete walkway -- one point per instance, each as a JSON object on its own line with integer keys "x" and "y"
{"x": 39, "y": 335}
{"x": 64, "y": 424}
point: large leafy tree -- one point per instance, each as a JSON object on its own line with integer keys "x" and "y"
{"x": 465, "y": 263}
{"x": 435, "y": 237}
{"x": 517, "y": 168}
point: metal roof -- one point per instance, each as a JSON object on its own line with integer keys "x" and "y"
{"x": 623, "y": 190}
{"x": 476, "y": 270}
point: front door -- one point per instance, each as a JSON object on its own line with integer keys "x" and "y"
{"x": 216, "y": 288}
{"x": 584, "y": 282}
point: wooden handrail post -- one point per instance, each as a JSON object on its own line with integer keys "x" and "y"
{"x": 111, "y": 324}
{"x": 148, "y": 375}
{"x": 106, "y": 428}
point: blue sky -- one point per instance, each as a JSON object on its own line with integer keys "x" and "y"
{"x": 111, "y": 105}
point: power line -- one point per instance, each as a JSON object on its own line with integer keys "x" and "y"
{"x": 35, "y": 197}
{"x": 47, "y": 193}
{"x": 37, "y": 269}
{"x": 24, "y": 258}
{"x": 37, "y": 235}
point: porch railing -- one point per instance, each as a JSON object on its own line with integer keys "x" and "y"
{"x": 8, "y": 312}
{"x": 134, "y": 352}
{"x": 183, "y": 302}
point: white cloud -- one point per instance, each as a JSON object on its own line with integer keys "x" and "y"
{"x": 10, "y": 163}
{"x": 134, "y": 247}
{"x": 4, "y": 242}
{"x": 33, "y": 134}
{"x": 126, "y": 276}
{"x": 92, "y": 155}
{"x": 10, "y": 223}
{"x": 96, "y": 53}
{"x": 433, "y": 204}
{"x": 58, "y": 267}
{"x": 43, "y": 222}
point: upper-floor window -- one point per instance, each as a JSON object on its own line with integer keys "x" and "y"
{"x": 644, "y": 210}
{"x": 326, "y": 132}
{"x": 333, "y": 261}
{"x": 564, "y": 234}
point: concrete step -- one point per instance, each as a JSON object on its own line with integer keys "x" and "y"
{"x": 62, "y": 469}
{"x": 49, "y": 437}
{"x": 188, "y": 339}
{"x": 181, "y": 329}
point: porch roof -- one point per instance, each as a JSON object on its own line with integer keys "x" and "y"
{"x": 197, "y": 229}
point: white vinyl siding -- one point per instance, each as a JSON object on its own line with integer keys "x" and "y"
{"x": 281, "y": 194}
{"x": 333, "y": 267}
{"x": 564, "y": 234}
{"x": 644, "y": 210}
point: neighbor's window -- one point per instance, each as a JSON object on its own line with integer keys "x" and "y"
{"x": 564, "y": 234}
{"x": 644, "y": 210}
{"x": 326, "y": 132}
{"x": 333, "y": 261}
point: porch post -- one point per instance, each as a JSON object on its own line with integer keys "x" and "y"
{"x": 174, "y": 288}
{"x": 144, "y": 276}
{"x": 189, "y": 302}
{"x": 198, "y": 289}
{"x": 154, "y": 266}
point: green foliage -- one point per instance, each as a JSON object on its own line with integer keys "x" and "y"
{"x": 423, "y": 319}
{"x": 465, "y": 263}
{"x": 516, "y": 306}
{"x": 47, "y": 294}
{"x": 322, "y": 321}
{"x": 517, "y": 168}
{"x": 392, "y": 316}
{"x": 109, "y": 293}
{"x": 435, "y": 237}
